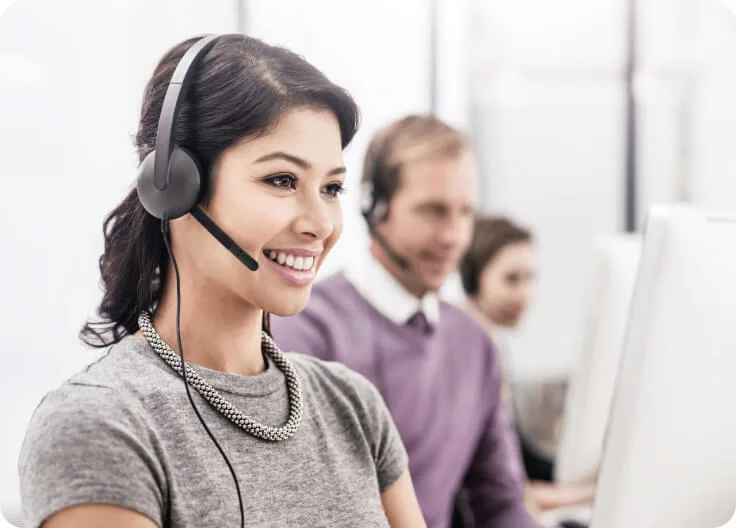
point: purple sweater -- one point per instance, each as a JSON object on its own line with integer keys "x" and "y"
{"x": 443, "y": 389}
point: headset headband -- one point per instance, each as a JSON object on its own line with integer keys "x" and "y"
{"x": 179, "y": 84}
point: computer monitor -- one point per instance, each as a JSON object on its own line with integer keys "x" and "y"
{"x": 590, "y": 391}
{"x": 669, "y": 458}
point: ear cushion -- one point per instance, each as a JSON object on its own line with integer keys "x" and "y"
{"x": 380, "y": 210}
{"x": 373, "y": 207}
{"x": 366, "y": 198}
{"x": 182, "y": 193}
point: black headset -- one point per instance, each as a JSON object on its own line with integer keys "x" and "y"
{"x": 170, "y": 178}
{"x": 374, "y": 202}
{"x": 169, "y": 186}
{"x": 374, "y": 205}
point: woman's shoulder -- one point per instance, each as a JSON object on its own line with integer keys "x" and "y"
{"x": 114, "y": 386}
{"x": 93, "y": 437}
{"x": 333, "y": 374}
{"x": 335, "y": 385}
{"x": 128, "y": 366}
{"x": 77, "y": 410}
{"x": 348, "y": 398}
{"x": 108, "y": 398}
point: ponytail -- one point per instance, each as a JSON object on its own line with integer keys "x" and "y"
{"x": 133, "y": 270}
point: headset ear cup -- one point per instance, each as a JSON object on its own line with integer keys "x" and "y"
{"x": 373, "y": 207}
{"x": 186, "y": 180}
{"x": 380, "y": 211}
{"x": 145, "y": 186}
{"x": 366, "y": 199}
{"x": 183, "y": 190}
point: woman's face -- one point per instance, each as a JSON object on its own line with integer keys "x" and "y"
{"x": 507, "y": 283}
{"x": 277, "y": 196}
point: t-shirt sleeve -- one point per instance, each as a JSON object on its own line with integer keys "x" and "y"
{"x": 388, "y": 448}
{"x": 84, "y": 446}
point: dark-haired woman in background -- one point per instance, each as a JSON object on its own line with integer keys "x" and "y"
{"x": 118, "y": 444}
{"x": 498, "y": 278}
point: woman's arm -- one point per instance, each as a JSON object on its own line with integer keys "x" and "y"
{"x": 87, "y": 456}
{"x": 550, "y": 496}
{"x": 401, "y": 505}
{"x": 94, "y": 515}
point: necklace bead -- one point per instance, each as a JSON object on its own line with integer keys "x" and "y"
{"x": 224, "y": 407}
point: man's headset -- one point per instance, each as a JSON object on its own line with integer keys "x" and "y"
{"x": 170, "y": 178}
{"x": 170, "y": 185}
{"x": 374, "y": 205}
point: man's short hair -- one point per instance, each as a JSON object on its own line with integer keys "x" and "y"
{"x": 413, "y": 138}
{"x": 491, "y": 235}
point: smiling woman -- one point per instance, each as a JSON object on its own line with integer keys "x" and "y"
{"x": 307, "y": 443}
{"x": 299, "y": 265}
{"x": 278, "y": 192}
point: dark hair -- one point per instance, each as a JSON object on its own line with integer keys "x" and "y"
{"x": 412, "y": 138}
{"x": 240, "y": 88}
{"x": 490, "y": 236}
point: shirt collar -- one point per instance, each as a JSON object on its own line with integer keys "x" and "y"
{"x": 387, "y": 295}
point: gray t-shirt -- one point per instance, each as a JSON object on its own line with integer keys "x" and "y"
{"x": 123, "y": 432}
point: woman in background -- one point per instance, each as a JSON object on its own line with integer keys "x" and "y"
{"x": 498, "y": 277}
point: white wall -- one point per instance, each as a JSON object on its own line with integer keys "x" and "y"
{"x": 454, "y": 100}
{"x": 549, "y": 108}
{"x": 712, "y": 165}
{"x": 378, "y": 51}
{"x": 69, "y": 99}
{"x": 66, "y": 157}
{"x": 159, "y": 24}
{"x": 549, "y": 117}
{"x": 664, "y": 80}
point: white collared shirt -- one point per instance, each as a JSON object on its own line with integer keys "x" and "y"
{"x": 387, "y": 295}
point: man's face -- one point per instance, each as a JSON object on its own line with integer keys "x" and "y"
{"x": 430, "y": 218}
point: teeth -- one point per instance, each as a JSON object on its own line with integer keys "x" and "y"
{"x": 297, "y": 263}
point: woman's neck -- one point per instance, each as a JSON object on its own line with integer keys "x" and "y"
{"x": 476, "y": 311}
{"x": 217, "y": 331}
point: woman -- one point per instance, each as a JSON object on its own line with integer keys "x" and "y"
{"x": 287, "y": 440}
{"x": 498, "y": 275}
